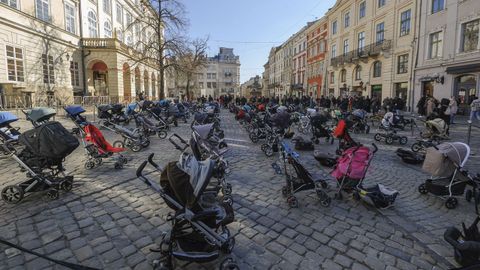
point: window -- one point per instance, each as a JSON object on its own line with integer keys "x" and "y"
{"x": 381, "y": 3}
{"x": 334, "y": 51}
{"x": 42, "y": 8}
{"x": 70, "y": 18}
{"x": 343, "y": 75}
{"x": 347, "y": 20}
{"x": 11, "y": 3}
{"x": 332, "y": 77}
{"x": 119, "y": 14}
{"x": 214, "y": 85}
{"x": 436, "y": 45}
{"x": 362, "y": 9}
{"x": 334, "y": 27}
{"x": 361, "y": 42}
{"x": 402, "y": 65}
{"x": 200, "y": 85}
{"x": 129, "y": 19}
{"x": 380, "y": 33}
{"x": 358, "y": 73}
{"x": 107, "y": 6}
{"x": 15, "y": 64}
{"x": 119, "y": 35}
{"x": 322, "y": 46}
{"x": 74, "y": 73}
{"x": 92, "y": 24}
{"x": 48, "y": 69}
{"x": 470, "y": 36}
{"x": 405, "y": 23}
{"x": 437, "y": 5}
{"x": 377, "y": 69}
{"x": 345, "y": 47}
{"x": 107, "y": 29}
{"x": 209, "y": 85}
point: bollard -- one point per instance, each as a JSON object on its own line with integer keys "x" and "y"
{"x": 411, "y": 126}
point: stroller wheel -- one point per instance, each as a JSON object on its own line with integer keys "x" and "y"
{"x": 416, "y": 147}
{"x": 89, "y": 164}
{"x": 269, "y": 151}
{"x": 326, "y": 202}
{"x": 12, "y": 194}
{"x": 377, "y": 137}
{"x": 123, "y": 159}
{"x": 136, "y": 148}
{"x": 146, "y": 143}
{"x": 229, "y": 264}
{"x": 98, "y": 161}
{"x": 118, "y": 165}
{"x": 228, "y": 189}
{"x": 451, "y": 203}
{"x": 389, "y": 140}
{"x": 118, "y": 144}
{"x": 422, "y": 189}
{"x": 228, "y": 200}
{"x": 162, "y": 134}
{"x": 52, "y": 194}
{"x": 285, "y": 191}
{"x": 292, "y": 201}
{"x": 66, "y": 185}
{"x": 403, "y": 140}
{"x": 253, "y": 138}
{"x": 469, "y": 195}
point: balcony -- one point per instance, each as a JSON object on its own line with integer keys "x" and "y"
{"x": 371, "y": 50}
{"x": 107, "y": 43}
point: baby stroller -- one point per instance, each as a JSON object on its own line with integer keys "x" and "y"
{"x": 199, "y": 223}
{"x": 134, "y": 139}
{"x": 350, "y": 172}
{"x": 113, "y": 113}
{"x": 156, "y": 113}
{"x": 345, "y": 141}
{"x": 208, "y": 134}
{"x": 205, "y": 118}
{"x": 436, "y": 129}
{"x": 445, "y": 162}
{"x": 466, "y": 245}
{"x": 38, "y": 116}
{"x": 358, "y": 122}
{"x": 303, "y": 180}
{"x": 45, "y": 148}
{"x": 96, "y": 147}
{"x": 390, "y": 134}
{"x": 319, "y": 131}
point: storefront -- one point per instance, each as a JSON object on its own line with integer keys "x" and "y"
{"x": 377, "y": 91}
{"x": 465, "y": 90}
{"x": 401, "y": 90}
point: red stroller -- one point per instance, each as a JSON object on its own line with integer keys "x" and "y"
{"x": 345, "y": 141}
{"x": 95, "y": 144}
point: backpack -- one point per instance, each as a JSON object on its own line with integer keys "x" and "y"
{"x": 49, "y": 140}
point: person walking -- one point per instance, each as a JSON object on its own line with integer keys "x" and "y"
{"x": 430, "y": 106}
{"x": 475, "y": 109}
{"x": 452, "y": 109}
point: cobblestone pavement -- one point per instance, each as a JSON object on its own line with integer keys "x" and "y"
{"x": 110, "y": 219}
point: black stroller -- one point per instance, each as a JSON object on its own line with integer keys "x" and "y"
{"x": 303, "y": 180}
{"x": 466, "y": 245}
{"x": 40, "y": 115}
{"x": 319, "y": 130}
{"x": 114, "y": 113}
{"x": 199, "y": 223}
{"x": 45, "y": 147}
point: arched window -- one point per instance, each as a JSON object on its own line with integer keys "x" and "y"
{"x": 92, "y": 24}
{"x": 358, "y": 73}
{"x": 107, "y": 29}
{"x": 343, "y": 75}
{"x": 377, "y": 69}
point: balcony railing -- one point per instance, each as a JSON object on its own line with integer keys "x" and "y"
{"x": 370, "y": 50}
{"x": 106, "y": 43}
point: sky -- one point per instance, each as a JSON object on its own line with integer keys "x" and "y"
{"x": 251, "y": 27}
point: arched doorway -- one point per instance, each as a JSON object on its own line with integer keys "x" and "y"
{"x": 99, "y": 73}
{"x": 154, "y": 88}
{"x": 127, "y": 85}
{"x": 146, "y": 87}
{"x": 465, "y": 91}
{"x": 138, "y": 86}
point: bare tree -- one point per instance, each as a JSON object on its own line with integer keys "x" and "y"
{"x": 159, "y": 35}
{"x": 191, "y": 60}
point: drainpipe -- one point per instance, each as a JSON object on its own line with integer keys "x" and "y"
{"x": 416, "y": 48}
{"x": 82, "y": 49}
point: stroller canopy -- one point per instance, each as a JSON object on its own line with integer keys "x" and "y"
{"x": 457, "y": 152}
{"x": 359, "y": 113}
{"x": 6, "y": 118}
{"x": 281, "y": 119}
{"x": 74, "y": 110}
{"x": 438, "y": 124}
{"x": 104, "y": 107}
{"x": 203, "y": 130}
{"x": 40, "y": 114}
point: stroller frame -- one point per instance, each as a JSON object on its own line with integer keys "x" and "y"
{"x": 135, "y": 139}
{"x": 292, "y": 186}
{"x": 187, "y": 219}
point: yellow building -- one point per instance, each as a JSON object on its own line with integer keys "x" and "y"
{"x": 371, "y": 47}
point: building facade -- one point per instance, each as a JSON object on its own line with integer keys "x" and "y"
{"x": 252, "y": 88}
{"x": 67, "y": 48}
{"x": 299, "y": 82}
{"x": 448, "y": 51}
{"x": 370, "y": 47}
{"x": 317, "y": 34}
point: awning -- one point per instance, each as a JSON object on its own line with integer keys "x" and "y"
{"x": 463, "y": 69}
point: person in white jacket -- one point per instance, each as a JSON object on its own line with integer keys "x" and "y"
{"x": 453, "y": 108}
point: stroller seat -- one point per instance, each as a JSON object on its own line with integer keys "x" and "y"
{"x": 94, "y": 135}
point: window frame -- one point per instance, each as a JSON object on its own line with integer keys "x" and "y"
{"x": 119, "y": 8}
{"x": 438, "y": 45}
{"x": 89, "y": 24}
{"x": 358, "y": 73}
{"x": 360, "y": 40}
{"x": 15, "y": 60}
{"x": 70, "y": 16}
{"x": 346, "y": 19}
{"x": 334, "y": 50}
{"x": 362, "y": 9}
{"x": 47, "y": 2}
{"x": 436, "y": 4}
{"x": 402, "y": 66}
{"x": 346, "y": 46}
{"x": 405, "y": 23}
{"x": 380, "y": 32}
{"x": 105, "y": 23}
{"x": 334, "y": 27}
{"x": 9, "y": 3}
{"x": 462, "y": 38}
{"x": 48, "y": 66}
{"x": 74, "y": 74}
{"x": 381, "y": 3}
{"x": 107, "y": 7}
{"x": 377, "y": 69}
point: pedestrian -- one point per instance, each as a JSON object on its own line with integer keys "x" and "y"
{"x": 452, "y": 109}
{"x": 430, "y": 106}
{"x": 475, "y": 109}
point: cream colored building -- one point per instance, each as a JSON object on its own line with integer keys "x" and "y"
{"x": 72, "y": 47}
{"x": 448, "y": 51}
{"x": 299, "y": 60}
{"x": 370, "y": 47}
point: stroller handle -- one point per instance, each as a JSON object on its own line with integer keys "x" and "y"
{"x": 141, "y": 168}
{"x": 375, "y": 148}
{"x": 178, "y": 147}
{"x": 153, "y": 163}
